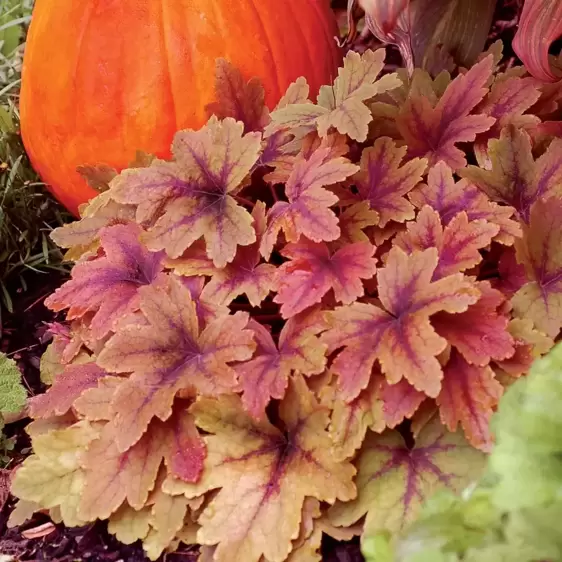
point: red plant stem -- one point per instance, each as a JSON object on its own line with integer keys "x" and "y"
{"x": 244, "y": 201}
{"x": 273, "y": 192}
{"x": 267, "y": 317}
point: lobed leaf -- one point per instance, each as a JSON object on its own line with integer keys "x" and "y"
{"x": 169, "y": 354}
{"x": 341, "y": 106}
{"x": 53, "y": 476}
{"x": 540, "y": 300}
{"x": 308, "y": 210}
{"x": 209, "y": 165}
{"x": 383, "y": 181}
{"x": 264, "y": 476}
{"x": 312, "y": 271}
{"x": 480, "y": 333}
{"x": 516, "y": 178}
{"x": 245, "y": 275}
{"x": 242, "y": 101}
{"x": 66, "y": 389}
{"x": 469, "y": 396}
{"x": 399, "y": 335}
{"x": 108, "y": 286}
{"x": 393, "y": 480}
{"x": 449, "y": 198}
{"x": 266, "y": 375}
{"x": 432, "y": 132}
{"x": 459, "y": 243}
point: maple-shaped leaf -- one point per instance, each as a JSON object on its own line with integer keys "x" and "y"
{"x": 383, "y": 181}
{"x": 266, "y": 375}
{"x": 432, "y": 132}
{"x": 195, "y": 191}
{"x": 307, "y": 211}
{"x": 449, "y": 198}
{"x": 400, "y": 335}
{"x": 469, "y": 396}
{"x": 353, "y": 222}
{"x": 393, "y": 479}
{"x": 264, "y": 475}
{"x": 529, "y": 344}
{"x": 540, "y": 251}
{"x": 94, "y": 403}
{"x": 341, "y": 106}
{"x": 350, "y": 420}
{"x": 109, "y": 285}
{"x": 206, "y": 309}
{"x": 400, "y": 401}
{"x": 183, "y": 448}
{"x": 113, "y": 477}
{"x": 129, "y": 525}
{"x": 52, "y": 476}
{"x": 67, "y": 346}
{"x": 167, "y": 518}
{"x": 82, "y": 236}
{"x": 458, "y": 243}
{"x": 481, "y": 333}
{"x": 170, "y": 353}
{"x": 507, "y": 102}
{"x": 236, "y": 98}
{"x": 66, "y": 388}
{"x": 312, "y": 271}
{"x": 511, "y": 273}
{"x": 244, "y": 275}
{"x": 516, "y": 178}
{"x": 379, "y": 406}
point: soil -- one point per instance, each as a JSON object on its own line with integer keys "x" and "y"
{"x": 23, "y": 337}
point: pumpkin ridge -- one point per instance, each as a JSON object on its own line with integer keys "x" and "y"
{"x": 268, "y": 44}
{"x": 330, "y": 39}
{"x": 166, "y": 56}
{"x": 309, "y": 60}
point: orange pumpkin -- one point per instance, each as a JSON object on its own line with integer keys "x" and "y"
{"x": 105, "y": 78}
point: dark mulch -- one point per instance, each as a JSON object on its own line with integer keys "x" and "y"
{"x": 23, "y": 336}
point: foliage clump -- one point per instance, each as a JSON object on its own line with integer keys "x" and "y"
{"x": 301, "y": 324}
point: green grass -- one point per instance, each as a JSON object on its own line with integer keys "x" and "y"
{"x": 27, "y": 212}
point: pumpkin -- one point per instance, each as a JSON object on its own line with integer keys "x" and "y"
{"x": 103, "y": 79}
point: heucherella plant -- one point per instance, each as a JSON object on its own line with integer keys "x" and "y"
{"x": 302, "y": 322}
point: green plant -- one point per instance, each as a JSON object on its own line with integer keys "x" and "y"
{"x": 12, "y": 399}
{"x": 514, "y": 512}
{"x": 27, "y": 215}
